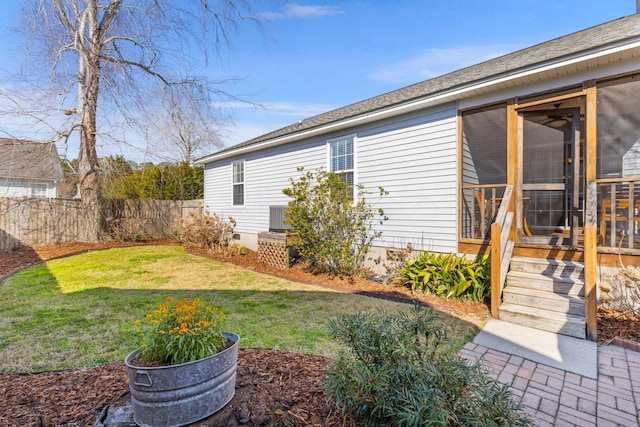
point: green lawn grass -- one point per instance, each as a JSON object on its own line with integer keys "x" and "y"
{"x": 80, "y": 311}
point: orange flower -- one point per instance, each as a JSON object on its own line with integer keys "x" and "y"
{"x": 170, "y": 321}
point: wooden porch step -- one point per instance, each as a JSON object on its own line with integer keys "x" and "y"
{"x": 546, "y": 320}
{"x": 555, "y": 284}
{"x": 561, "y": 303}
{"x": 549, "y": 267}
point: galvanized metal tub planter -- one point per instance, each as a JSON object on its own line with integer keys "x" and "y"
{"x": 177, "y": 395}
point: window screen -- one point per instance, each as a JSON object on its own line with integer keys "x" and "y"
{"x": 484, "y": 133}
{"x": 484, "y": 167}
{"x": 618, "y": 124}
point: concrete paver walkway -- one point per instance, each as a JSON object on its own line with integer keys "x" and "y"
{"x": 555, "y": 397}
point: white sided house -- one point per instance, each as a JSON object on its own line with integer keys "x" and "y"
{"x": 29, "y": 169}
{"x": 533, "y": 156}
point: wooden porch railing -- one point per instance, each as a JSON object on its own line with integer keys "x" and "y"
{"x": 481, "y": 203}
{"x": 619, "y": 212}
{"x": 501, "y": 249}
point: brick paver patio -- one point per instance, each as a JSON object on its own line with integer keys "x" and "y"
{"x": 553, "y": 397}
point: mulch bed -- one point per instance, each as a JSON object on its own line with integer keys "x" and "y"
{"x": 273, "y": 387}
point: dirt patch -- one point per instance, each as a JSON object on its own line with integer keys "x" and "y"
{"x": 616, "y": 326}
{"x": 277, "y": 388}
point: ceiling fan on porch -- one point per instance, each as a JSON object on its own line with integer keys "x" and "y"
{"x": 556, "y": 120}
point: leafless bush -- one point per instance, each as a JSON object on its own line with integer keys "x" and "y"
{"x": 229, "y": 251}
{"x": 208, "y": 231}
{"x": 621, "y": 290}
{"x": 125, "y": 229}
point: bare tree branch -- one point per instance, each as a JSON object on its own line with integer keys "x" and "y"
{"x": 102, "y": 61}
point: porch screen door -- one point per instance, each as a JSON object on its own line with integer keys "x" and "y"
{"x": 551, "y": 180}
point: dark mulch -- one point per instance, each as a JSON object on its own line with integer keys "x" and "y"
{"x": 272, "y": 388}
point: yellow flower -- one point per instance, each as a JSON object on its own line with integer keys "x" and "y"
{"x": 138, "y": 322}
{"x": 177, "y": 318}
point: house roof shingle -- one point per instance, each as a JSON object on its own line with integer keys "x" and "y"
{"x": 29, "y": 160}
{"x": 602, "y": 35}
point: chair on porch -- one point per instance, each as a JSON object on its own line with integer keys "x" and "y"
{"x": 487, "y": 211}
{"x": 621, "y": 210}
{"x": 483, "y": 207}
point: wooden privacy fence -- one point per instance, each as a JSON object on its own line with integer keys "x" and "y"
{"x": 41, "y": 222}
{"x": 37, "y": 222}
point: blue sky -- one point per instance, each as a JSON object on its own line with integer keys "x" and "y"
{"x": 318, "y": 55}
{"x": 324, "y": 55}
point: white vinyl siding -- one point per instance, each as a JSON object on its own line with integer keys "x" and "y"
{"x": 27, "y": 188}
{"x": 38, "y": 189}
{"x": 267, "y": 174}
{"x": 414, "y": 157}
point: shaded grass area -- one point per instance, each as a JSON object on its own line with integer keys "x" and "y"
{"x": 80, "y": 311}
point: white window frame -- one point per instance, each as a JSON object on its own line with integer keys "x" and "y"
{"x": 243, "y": 182}
{"x": 354, "y": 170}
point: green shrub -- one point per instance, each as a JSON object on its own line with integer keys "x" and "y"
{"x": 396, "y": 371}
{"x": 449, "y": 276}
{"x": 332, "y": 232}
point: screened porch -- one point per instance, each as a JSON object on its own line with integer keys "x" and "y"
{"x": 546, "y": 162}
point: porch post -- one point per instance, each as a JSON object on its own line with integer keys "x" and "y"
{"x": 513, "y": 165}
{"x": 590, "y": 225}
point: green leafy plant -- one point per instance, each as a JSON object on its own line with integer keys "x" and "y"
{"x": 448, "y": 276}
{"x": 124, "y": 179}
{"x": 332, "y": 230}
{"x": 396, "y": 370}
{"x": 208, "y": 231}
{"x": 181, "y": 331}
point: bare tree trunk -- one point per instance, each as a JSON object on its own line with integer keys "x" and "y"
{"x": 88, "y": 169}
{"x": 119, "y": 64}
{"x": 90, "y": 39}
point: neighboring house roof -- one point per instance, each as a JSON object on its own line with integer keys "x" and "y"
{"x": 608, "y": 35}
{"x": 29, "y": 160}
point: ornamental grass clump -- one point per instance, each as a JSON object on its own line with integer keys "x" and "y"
{"x": 180, "y": 332}
{"x": 397, "y": 370}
